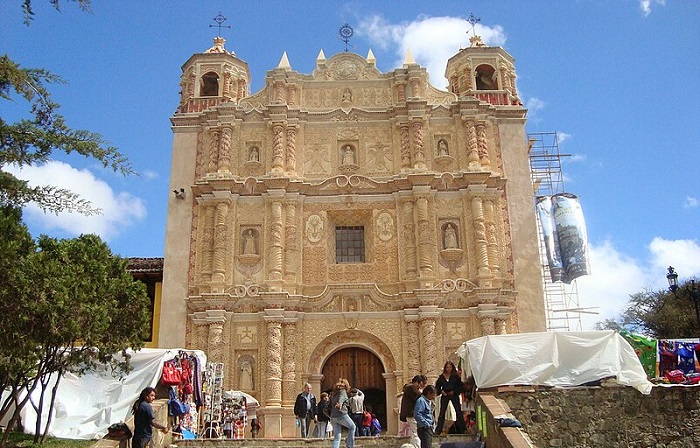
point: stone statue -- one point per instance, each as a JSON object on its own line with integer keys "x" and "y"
{"x": 348, "y": 155}
{"x": 249, "y": 242}
{"x": 443, "y": 150}
{"x": 254, "y": 154}
{"x": 450, "y": 236}
{"x": 245, "y": 379}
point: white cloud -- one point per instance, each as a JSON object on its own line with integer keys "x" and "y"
{"x": 431, "y": 40}
{"x": 563, "y": 136}
{"x": 615, "y": 276}
{"x": 690, "y": 202}
{"x": 119, "y": 210}
{"x": 150, "y": 174}
{"x": 534, "y": 105}
{"x": 645, "y": 5}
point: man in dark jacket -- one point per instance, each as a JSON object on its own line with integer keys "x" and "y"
{"x": 411, "y": 392}
{"x": 305, "y": 409}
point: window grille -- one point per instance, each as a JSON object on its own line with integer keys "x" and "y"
{"x": 349, "y": 244}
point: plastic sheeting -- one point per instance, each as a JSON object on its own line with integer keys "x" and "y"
{"x": 86, "y": 405}
{"x": 553, "y": 359}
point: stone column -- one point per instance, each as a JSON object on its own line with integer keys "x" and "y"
{"x": 472, "y": 147}
{"x": 405, "y": 147}
{"x": 292, "y": 95}
{"x": 425, "y": 239}
{"x": 216, "y": 320}
{"x": 224, "y": 164}
{"x": 207, "y": 242}
{"x": 390, "y": 396}
{"x": 273, "y": 319}
{"x": 290, "y": 247}
{"x": 418, "y": 152}
{"x": 500, "y": 326}
{"x": 482, "y": 259}
{"x": 493, "y": 249}
{"x": 432, "y": 359}
{"x": 277, "y": 148}
{"x": 488, "y": 325}
{"x": 221, "y": 246}
{"x": 482, "y": 147}
{"x": 275, "y": 248}
{"x": 289, "y": 375}
{"x": 241, "y": 89}
{"x": 412, "y": 345}
{"x": 415, "y": 87}
{"x": 214, "y": 134}
{"x": 291, "y": 148}
{"x": 409, "y": 239}
{"x": 401, "y": 91}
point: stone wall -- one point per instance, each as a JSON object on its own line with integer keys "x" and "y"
{"x": 608, "y": 416}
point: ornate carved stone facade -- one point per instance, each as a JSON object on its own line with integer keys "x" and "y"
{"x": 436, "y": 183}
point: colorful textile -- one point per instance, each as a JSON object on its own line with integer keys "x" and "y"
{"x": 686, "y": 355}
{"x": 645, "y": 348}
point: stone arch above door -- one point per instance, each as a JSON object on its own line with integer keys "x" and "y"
{"x": 351, "y": 338}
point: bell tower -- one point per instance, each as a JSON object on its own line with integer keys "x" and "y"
{"x": 211, "y": 78}
{"x": 486, "y": 73}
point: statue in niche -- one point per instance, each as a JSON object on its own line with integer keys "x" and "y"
{"x": 245, "y": 379}
{"x": 348, "y": 155}
{"x": 347, "y": 96}
{"x": 249, "y": 242}
{"x": 443, "y": 150}
{"x": 254, "y": 154}
{"x": 450, "y": 237}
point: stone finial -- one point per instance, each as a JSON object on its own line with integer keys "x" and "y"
{"x": 321, "y": 58}
{"x": 370, "y": 57}
{"x": 284, "y": 62}
{"x": 408, "y": 60}
{"x": 476, "y": 41}
{"x": 218, "y": 46}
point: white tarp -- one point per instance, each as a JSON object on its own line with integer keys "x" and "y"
{"x": 553, "y": 359}
{"x": 86, "y": 405}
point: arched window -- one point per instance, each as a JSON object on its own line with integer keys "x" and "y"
{"x": 486, "y": 78}
{"x": 210, "y": 85}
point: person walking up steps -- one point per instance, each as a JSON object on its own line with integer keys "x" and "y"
{"x": 339, "y": 414}
{"x": 423, "y": 413}
{"x": 305, "y": 409}
{"x": 411, "y": 392}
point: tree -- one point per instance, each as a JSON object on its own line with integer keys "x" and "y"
{"x": 69, "y": 305}
{"x": 658, "y": 314}
{"x": 29, "y": 12}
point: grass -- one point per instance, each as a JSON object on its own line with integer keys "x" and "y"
{"x": 19, "y": 440}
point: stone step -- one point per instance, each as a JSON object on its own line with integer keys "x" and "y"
{"x": 360, "y": 442}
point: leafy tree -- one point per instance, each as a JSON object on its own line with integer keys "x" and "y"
{"x": 69, "y": 305}
{"x": 659, "y": 314}
{"x": 29, "y": 12}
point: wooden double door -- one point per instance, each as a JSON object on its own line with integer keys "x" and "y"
{"x": 363, "y": 369}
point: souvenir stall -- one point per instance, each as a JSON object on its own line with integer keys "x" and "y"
{"x": 182, "y": 375}
{"x": 678, "y": 361}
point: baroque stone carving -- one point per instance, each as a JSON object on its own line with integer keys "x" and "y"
{"x": 314, "y": 228}
{"x": 385, "y": 226}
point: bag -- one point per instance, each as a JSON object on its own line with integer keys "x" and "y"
{"x": 118, "y": 431}
{"x": 176, "y": 408}
{"x": 171, "y": 376}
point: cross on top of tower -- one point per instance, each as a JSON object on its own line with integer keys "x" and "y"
{"x": 219, "y": 19}
{"x": 346, "y": 32}
{"x": 473, "y": 21}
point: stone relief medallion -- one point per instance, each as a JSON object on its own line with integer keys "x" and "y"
{"x": 385, "y": 226}
{"x": 314, "y": 228}
{"x": 346, "y": 70}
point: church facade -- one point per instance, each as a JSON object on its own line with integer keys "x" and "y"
{"x": 347, "y": 222}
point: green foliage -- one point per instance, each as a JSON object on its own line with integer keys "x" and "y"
{"x": 20, "y": 440}
{"x": 32, "y": 141}
{"x": 29, "y": 12}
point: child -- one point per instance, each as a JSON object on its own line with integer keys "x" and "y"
{"x": 376, "y": 427}
{"x": 366, "y": 423}
{"x": 423, "y": 413}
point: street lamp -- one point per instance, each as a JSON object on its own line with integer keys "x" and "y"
{"x": 693, "y": 291}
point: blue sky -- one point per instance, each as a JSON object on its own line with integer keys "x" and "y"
{"x": 618, "y": 79}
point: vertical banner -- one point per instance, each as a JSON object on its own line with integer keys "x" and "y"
{"x": 565, "y": 238}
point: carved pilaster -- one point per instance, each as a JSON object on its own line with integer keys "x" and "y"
{"x": 418, "y": 151}
{"x": 482, "y": 259}
{"x": 215, "y": 319}
{"x": 213, "y": 149}
{"x": 291, "y": 149}
{"x": 207, "y": 243}
{"x": 472, "y": 147}
{"x": 405, "y": 147}
{"x": 220, "y": 246}
{"x": 431, "y": 365}
{"x": 426, "y": 239}
{"x": 224, "y": 164}
{"x": 291, "y": 263}
{"x": 289, "y": 378}
{"x": 292, "y": 95}
{"x": 241, "y": 89}
{"x": 487, "y": 325}
{"x": 500, "y": 326}
{"x": 277, "y": 148}
{"x": 279, "y": 93}
{"x": 275, "y": 248}
{"x": 482, "y": 146}
{"x": 401, "y": 91}
{"x": 415, "y": 87}
{"x": 274, "y": 357}
{"x": 226, "y": 92}
{"x": 491, "y": 236}
{"x": 409, "y": 239}
{"x": 413, "y": 345}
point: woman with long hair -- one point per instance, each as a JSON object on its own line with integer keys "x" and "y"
{"x": 449, "y": 386}
{"x": 339, "y": 414}
{"x": 144, "y": 419}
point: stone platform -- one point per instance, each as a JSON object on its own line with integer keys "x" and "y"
{"x": 360, "y": 442}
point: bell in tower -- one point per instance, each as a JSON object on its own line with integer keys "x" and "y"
{"x": 484, "y": 72}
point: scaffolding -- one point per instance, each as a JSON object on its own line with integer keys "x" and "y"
{"x": 562, "y": 309}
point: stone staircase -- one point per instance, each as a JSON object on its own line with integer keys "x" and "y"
{"x": 360, "y": 442}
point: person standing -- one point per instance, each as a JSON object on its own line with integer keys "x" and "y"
{"x": 357, "y": 405}
{"x": 144, "y": 419}
{"x": 449, "y": 386}
{"x": 339, "y": 414}
{"x": 423, "y": 413}
{"x": 305, "y": 409}
{"x": 323, "y": 415}
{"x": 411, "y": 392}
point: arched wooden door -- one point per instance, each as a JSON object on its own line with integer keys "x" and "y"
{"x": 363, "y": 369}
